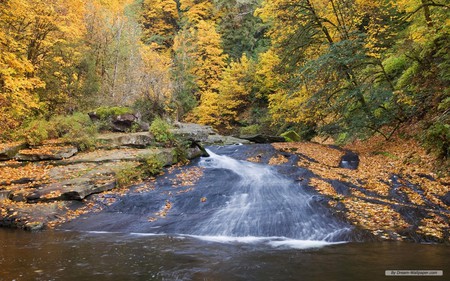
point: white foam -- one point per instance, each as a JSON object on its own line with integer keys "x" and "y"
{"x": 231, "y": 239}
{"x": 301, "y": 244}
{"x": 276, "y": 242}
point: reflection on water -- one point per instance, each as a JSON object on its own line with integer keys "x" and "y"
{"x": 54, "y": 255}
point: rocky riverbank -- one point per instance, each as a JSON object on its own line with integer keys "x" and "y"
{"x": 49, "y": 184}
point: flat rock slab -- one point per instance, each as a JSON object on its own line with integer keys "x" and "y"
{"x": 224, "y": 140}
{"x": 194, "y": 132}
{"x": 120, "y": 155}
{"x": 116, "y": 140}
{"x": 9, "y": 150}
{"x": 46, "y": 153}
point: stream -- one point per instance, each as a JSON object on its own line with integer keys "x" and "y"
{"x": 240, "y": 221}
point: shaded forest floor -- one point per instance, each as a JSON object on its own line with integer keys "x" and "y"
{"x": 393, "y": 192}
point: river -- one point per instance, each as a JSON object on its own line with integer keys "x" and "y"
{"x": 240, "y": 221}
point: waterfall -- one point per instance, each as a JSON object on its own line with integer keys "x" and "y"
{"x": 264, "y": 204}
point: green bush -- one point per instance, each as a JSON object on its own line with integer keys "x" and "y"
{"x": 77, "y": 129}
{"x": 105, "y": 112}
{"x": 34, "y": 132}
{"x": 250, "y": 130}
{"x": 127, "y": 175}
{"x": 151, "y": 166}
{"x": 161, "y": 131}
{"x": 437, "y": 139}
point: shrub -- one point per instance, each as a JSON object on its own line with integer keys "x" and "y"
{"x": 250, "y": 130}
{"x": 161, "y": 131}
{"x": 77, "y": 129}
{"x": 151, "y": 166}
{"x": 437, "y": 139}
{"x": 35, "y": 132}
{"x": 128, "y": 174}
{"x": 105, "y": 112}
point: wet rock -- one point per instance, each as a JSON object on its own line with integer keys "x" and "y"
{"x": 446, "y": 199}
{"x": 57, "y": 153}
{"x": 10, "y": 150}
{"x": 349, "y": 161}
{"x": 259, "y": 138}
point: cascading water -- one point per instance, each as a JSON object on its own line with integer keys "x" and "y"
{"x": 234, "y": 200}
{"x": 264, "y": 204}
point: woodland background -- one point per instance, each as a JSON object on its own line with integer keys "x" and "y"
{"x": 344, "y": 69}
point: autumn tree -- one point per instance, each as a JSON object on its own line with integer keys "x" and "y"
{"x": 234, "y": 91}
{"x": 160, "y": 20}
{"x": 33, "y": 35}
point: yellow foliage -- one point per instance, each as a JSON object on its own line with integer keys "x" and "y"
{"x": 234, "y": 89}
{"x": 197, "y": 10}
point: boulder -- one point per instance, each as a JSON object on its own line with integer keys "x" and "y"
{"x": 192, "y": 132}
{"x": 349, "y": 161}
{"x": 124, "y": 122}
{"x": 46, "y": 153}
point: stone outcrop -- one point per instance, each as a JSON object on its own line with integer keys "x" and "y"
{"x": 8, "y": 151}
{"x": 54, "y": 153}
{"x": 71, "y": 178}
{"x": 117, "y": 140}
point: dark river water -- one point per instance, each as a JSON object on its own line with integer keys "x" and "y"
{"x": 64, "y": 255}
{"x": 241, "y": 221}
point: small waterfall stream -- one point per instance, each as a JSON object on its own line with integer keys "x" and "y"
{"x": 243, "y": 202}
{"x": 265, "y": 205}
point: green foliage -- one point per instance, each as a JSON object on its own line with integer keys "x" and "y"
{"x": 127, "y": 174}
{"x": 77, "y": 129}
{"x": 250, "y": 130}
{"x": 437, "y": 139}
{"x": 291, "y": 136}
{"x": 151, "y": 165}
{"x": 161, "y": 131}
{"x": 106, "y": 112}
{"x": 180, "y": 152}
{"x": 35, "y": 132}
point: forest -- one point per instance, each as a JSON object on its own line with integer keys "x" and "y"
{"x": 342, "y": 69}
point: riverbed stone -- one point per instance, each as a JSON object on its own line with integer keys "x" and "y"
{"x": 54, "y": 153}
